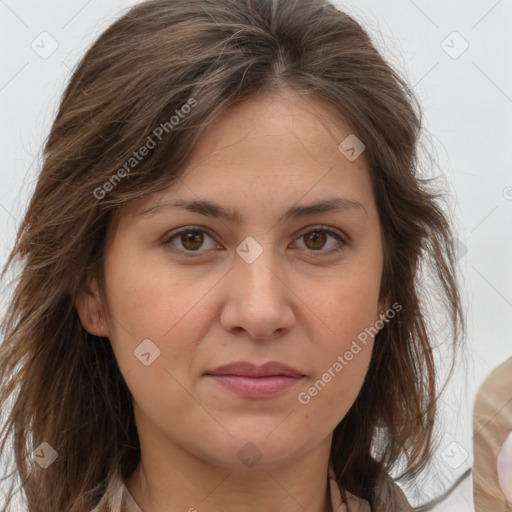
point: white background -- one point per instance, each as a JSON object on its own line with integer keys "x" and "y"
{"x": 467, "y": 102}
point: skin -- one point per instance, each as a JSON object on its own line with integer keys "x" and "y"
{"x": 298, "y": 302}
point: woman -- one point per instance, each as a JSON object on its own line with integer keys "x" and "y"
{"x": 220, "y": 302}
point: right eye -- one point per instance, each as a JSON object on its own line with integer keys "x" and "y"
{"x": 190, "y": 240}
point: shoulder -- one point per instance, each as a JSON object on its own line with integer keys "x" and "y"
{"x": 128, "y": 504}
{"x": 499, "y": 381}
{"x": 493, "y": 402}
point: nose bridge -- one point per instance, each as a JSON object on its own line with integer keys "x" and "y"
{"x": 256, "y": 269}
{"x": 257, "y": 300}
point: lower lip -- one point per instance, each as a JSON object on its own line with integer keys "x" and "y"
{"x": 256, "y": 387}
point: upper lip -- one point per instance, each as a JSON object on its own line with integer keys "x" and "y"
{"x": 246, "y": 369}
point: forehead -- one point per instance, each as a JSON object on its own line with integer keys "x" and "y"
{"x": 282, "y": 146}
{"x": 266, "y": 117}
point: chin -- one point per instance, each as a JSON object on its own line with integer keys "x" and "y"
{"x": 255, "y": 450}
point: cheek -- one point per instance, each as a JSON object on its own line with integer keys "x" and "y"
{"x": 348, "y": 307}
{"x": 147, "y": 302}
{"x": 342, "y": 353}
{"x": 346, "y": 347}
{"x": 329, "y": 394}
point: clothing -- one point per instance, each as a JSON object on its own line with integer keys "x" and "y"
{"x": 492, "y": 423}
{"x": 352, "y": 503}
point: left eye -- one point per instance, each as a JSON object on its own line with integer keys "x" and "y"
{"x": 315, "y": 239}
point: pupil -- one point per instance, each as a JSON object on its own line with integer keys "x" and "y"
{"x": 189, "y": 240}
{"x": 316, "y": 237}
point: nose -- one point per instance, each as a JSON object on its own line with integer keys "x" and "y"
{"x": 258, "y": 299}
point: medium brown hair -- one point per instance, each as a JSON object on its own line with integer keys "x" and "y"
{"x": 62, "y": 384}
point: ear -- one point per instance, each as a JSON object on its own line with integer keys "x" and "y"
{"x": 90, "y": 309}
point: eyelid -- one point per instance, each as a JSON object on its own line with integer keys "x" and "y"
{"x": 176, "y": 232}
{"x": 339, "y": 235}
{"x": 328, "y": 229}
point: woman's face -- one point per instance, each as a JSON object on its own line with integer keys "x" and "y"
{"x": 190, "y": 290}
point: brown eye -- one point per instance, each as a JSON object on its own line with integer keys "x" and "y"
{"x": 194, "y": 242}
{"x": 191, "y": 240}
{"x": 315, "y": 239}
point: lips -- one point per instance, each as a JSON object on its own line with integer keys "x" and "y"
{"x": 251, "y": 381}
{"x": 246, "y": 369}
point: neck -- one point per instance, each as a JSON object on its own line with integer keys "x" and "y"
{"x": 177, "y": 483}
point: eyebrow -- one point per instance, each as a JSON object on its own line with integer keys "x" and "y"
{"x": 212, "y": 209}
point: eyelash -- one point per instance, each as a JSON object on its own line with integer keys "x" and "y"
{"x": 198, "y": 253}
